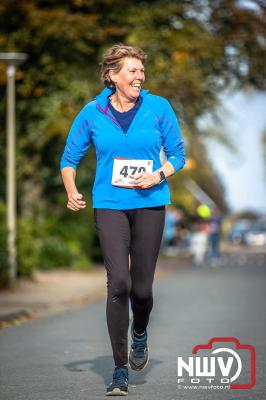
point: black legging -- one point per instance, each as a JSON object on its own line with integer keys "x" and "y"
{"x": 138, "y": 233}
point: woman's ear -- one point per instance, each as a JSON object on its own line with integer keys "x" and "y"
{"x": 112, "y": 76}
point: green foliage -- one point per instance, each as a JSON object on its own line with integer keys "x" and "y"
{"x": 51, "y": 240}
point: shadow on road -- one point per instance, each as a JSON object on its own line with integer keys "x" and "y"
{"x": 103, "y": 366}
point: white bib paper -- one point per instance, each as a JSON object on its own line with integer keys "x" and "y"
{"x": 123, "y": 168}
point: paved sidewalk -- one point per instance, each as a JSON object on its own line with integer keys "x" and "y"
{"x": 52, "y": 292}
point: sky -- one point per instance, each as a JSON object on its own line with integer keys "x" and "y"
{"x": 243, "y": 171}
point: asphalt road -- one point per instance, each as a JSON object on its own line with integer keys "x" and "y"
{"x": 68, "y": 356}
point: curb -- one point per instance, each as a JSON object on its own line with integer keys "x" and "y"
{"x": 14, "y": 316}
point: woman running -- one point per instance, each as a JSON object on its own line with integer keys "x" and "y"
{"x": 128, "y": 126}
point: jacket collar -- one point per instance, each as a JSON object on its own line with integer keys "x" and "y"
{"x": 102, "y": 98}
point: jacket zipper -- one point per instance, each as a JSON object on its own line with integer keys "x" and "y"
{"x": 111, "y": 117}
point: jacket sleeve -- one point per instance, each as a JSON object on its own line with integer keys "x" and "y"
{"x": 173, "y": 143}
{"x": 78, "y": 140}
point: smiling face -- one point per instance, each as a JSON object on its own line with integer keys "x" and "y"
{"x": 129, "y": 79}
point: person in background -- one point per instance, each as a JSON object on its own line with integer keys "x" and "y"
{"x": 199, "y": 242}
{"x": 169, "y": 233}
{"x": 215, "y": 224}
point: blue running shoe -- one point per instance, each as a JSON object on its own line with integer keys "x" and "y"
{"x": 119, "y": 384}
{"x": 139, "y": 352}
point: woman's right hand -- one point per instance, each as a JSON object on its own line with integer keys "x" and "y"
{"x": 75, "y": 202}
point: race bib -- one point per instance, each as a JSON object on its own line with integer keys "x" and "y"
{"x": 125, "y": 168}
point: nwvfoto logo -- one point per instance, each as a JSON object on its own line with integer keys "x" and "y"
{"x": 223, "y": 363}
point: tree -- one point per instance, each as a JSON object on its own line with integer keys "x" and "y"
{"x": 195, "y": 48}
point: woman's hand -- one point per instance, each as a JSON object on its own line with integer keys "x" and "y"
{"x": 75, "y": 202}
{"x": 145, "y": 180}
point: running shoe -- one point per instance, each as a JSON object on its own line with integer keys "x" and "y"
{"x": 139, "y": 352}
{"x": 119, "y": 384}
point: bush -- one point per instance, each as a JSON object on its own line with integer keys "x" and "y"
{"x": 50, "y": 241}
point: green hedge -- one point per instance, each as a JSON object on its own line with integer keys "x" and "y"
{"x": 50, "y": 240}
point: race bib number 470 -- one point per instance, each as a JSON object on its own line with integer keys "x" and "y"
{"x": 124, "y": 170}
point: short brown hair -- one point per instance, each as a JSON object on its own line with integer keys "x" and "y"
{"x": 112, "y": 60}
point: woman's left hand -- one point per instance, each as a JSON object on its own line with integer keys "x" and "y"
{"x": 145, "y": 180}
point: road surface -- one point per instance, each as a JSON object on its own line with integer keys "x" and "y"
{"x": 68, "y": 356}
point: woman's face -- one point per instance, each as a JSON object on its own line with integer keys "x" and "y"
{"x": 129, "y": 79}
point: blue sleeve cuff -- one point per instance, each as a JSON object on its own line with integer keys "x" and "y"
{"x": 177, "y": 163}
{"x": 65, "y": 163}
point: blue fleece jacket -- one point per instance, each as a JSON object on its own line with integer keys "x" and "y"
{"x": 155, "y": 126}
